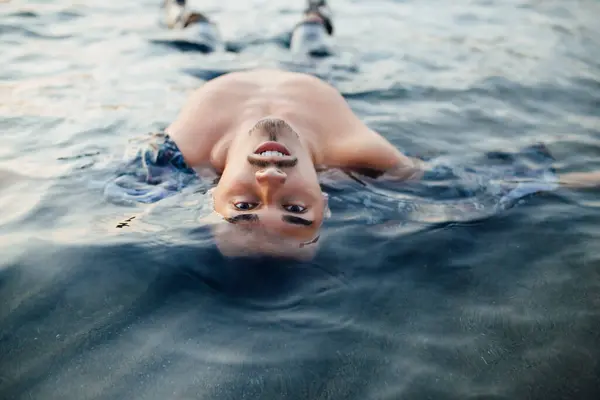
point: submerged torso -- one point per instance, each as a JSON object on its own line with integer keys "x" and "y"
{"x": 233, "y": 103}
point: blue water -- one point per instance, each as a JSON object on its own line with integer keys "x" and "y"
{"x": 409, "y": 297}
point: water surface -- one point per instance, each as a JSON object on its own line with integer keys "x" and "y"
{"x": 417, "y": 304}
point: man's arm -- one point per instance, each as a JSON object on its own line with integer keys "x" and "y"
{"x": 574, "y": 180}
{"x": 408, "y": 169}
{"x": 370, "y": 154}
{"x": 580, "y": 180}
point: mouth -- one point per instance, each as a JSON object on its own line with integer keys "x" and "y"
{"x": 272, "y": 150}
{"x": 272, "y": 153}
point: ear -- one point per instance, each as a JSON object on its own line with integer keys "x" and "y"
{"x": 208, "y": 205}
{"x": 212, "y": 218}
{"x": 326, "y": 210}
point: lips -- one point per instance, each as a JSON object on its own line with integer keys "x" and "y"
{"x": 271, "y": 148}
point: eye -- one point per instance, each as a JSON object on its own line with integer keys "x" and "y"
{"x": 294, "y": 208}
{"x": 245, "y": 206}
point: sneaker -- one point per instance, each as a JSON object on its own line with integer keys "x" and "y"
{"x": 311, "y": 38}
{"x": 321, "y": 8}
{"x": 175, "y": 12}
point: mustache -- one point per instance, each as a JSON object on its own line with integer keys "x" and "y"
{"x": 288, "y": 163}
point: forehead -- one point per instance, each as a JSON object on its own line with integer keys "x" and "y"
{"x": 272, "y": 231}
{"x": 254, "y": 244}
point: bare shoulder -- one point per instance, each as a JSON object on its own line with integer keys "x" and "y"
{"x": 205, "y": 117}
{"x": 366, "y": 149}
{"x": 351, "y": 143}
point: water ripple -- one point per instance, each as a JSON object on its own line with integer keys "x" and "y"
{"x": 409, "y": 297}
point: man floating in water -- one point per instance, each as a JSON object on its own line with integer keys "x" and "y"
{"x": 267, "y": 134}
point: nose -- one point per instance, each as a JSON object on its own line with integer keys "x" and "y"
{"x": 271, "y": 176}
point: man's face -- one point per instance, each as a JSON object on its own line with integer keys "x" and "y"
{"x": 269, "y": 182}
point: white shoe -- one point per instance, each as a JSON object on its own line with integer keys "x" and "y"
{"x": 319, "y": 6}
{"x": 202, "y": 33}
{"x": 311, "y": 38}
{"x": 174, "y": 13}
{"x": 314, "y": 37}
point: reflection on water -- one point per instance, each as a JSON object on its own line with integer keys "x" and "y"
{"x": 414, "y": 293}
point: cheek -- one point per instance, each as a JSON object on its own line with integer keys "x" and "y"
{"x": 308, "y": 174}
{"x": 305, "y": 181}
{"x": 232, "y": 186}
{"x": 237, "y": 177}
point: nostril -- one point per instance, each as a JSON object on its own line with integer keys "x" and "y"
{"x": 271, "y": 175}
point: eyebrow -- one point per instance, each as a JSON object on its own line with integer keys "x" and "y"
{"x": 290, "y": 219}
{"x": 242, "y": 218}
